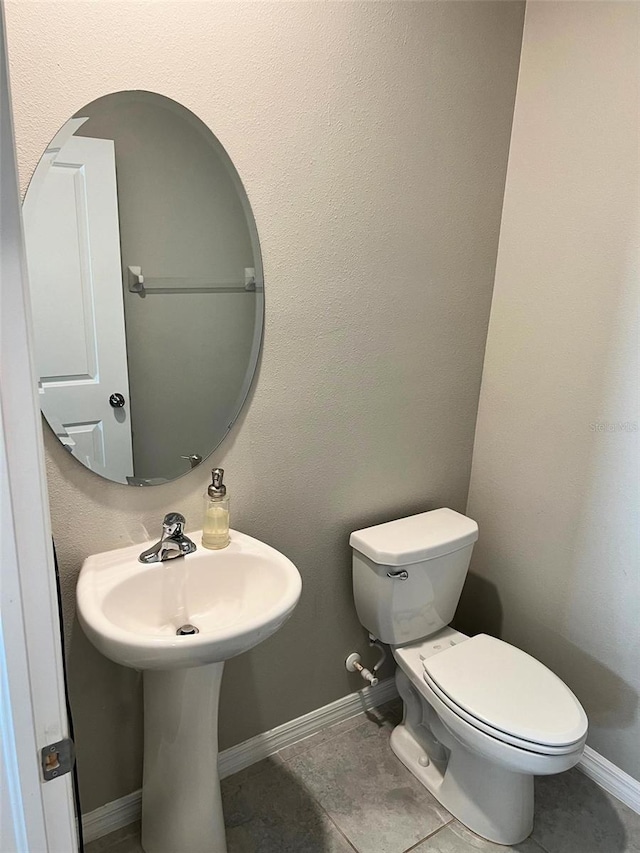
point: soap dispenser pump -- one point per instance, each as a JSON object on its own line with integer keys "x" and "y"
{"x": 215, "y": 529}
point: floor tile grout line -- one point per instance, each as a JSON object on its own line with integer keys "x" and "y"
{"x": 340, "y": 832}
{"x": 430, "y": 835}
{"x": 332, "y": 822}
{"x": 539, "y": 844}
{"x": 324, "y": 810}
{"x": 314, "y": 799}
{"x": 452, "y": 820}
{"x": 352, "y": 844}
{"x": 328, "y": 815}
{"x": 310, "y": 793}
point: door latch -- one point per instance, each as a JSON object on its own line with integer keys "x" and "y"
{"x": 57, "y": 759}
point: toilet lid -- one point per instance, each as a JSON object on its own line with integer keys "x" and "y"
{"x": 508, "y": 690}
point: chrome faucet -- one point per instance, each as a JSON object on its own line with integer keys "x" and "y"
{"x": 173, "y": 543}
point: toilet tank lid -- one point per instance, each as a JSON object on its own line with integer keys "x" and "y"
{"x": 415, "y": 538}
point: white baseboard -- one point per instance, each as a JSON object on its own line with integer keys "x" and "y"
{"x": 233, "y": 760}
{"x": 126, "y": 810}
{"x": 111, "y": 816}
{"x": 610, "y": 778}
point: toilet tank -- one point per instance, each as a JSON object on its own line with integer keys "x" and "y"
{"x": 408, "y": 574}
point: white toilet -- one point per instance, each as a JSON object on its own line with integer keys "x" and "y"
{"x": 481, "y": 717}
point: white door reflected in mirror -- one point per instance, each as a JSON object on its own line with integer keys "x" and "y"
{"x": 72, "y": 238}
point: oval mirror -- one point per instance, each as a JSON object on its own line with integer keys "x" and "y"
{"x": 146, "y": 288}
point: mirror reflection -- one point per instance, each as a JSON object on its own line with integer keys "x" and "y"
{"x": 146, "y": 287}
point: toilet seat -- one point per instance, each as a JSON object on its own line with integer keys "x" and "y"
{"x": 497, "y": 734}
{"x": 507, "y": 694}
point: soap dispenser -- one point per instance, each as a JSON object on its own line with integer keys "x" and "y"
{"x": 215, "y": 529}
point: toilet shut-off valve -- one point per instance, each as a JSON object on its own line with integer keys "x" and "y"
{"x": 353, "y": 664}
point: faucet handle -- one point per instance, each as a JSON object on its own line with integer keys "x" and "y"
{"x": 173, "y": 543}
{"x": 173, "y": 524}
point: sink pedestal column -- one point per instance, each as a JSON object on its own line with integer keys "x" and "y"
{"x": 181, "y": 804}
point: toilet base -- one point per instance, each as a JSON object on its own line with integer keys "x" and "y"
{"x": 492, "y": 801}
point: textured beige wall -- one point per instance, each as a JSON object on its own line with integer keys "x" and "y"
{"x": 372, "y": 139}
{"x": 555, "y": 478}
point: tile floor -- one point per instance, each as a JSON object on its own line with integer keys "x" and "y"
{"x": 343, "y": 790}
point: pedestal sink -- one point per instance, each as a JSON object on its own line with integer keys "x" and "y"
{"x": 235, "y": 598}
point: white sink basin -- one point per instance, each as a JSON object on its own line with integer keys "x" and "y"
{"x": 236, "y": 597}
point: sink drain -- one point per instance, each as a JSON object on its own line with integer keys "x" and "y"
{"x": 187, "y": 630}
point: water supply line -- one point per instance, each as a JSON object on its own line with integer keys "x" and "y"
{"x": 373, "y": 641}
{"x": 353, "y": 663}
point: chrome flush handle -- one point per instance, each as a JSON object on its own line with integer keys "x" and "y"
{"x": 194, "y": 459}
{"x": 400, "y": 575}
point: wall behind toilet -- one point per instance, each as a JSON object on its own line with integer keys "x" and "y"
{"x": 372, "y": 139}
{"x": 554, "y": 484}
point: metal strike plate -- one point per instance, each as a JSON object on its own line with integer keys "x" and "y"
{"x": 57, "y": 759}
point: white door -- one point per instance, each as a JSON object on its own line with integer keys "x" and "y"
{"x": 37, "y": 816}
{"x": 72, "y": 239}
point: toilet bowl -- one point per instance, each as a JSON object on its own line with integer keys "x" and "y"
{"x": 485, "y": 777}
{"x": 481, "y": 717}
